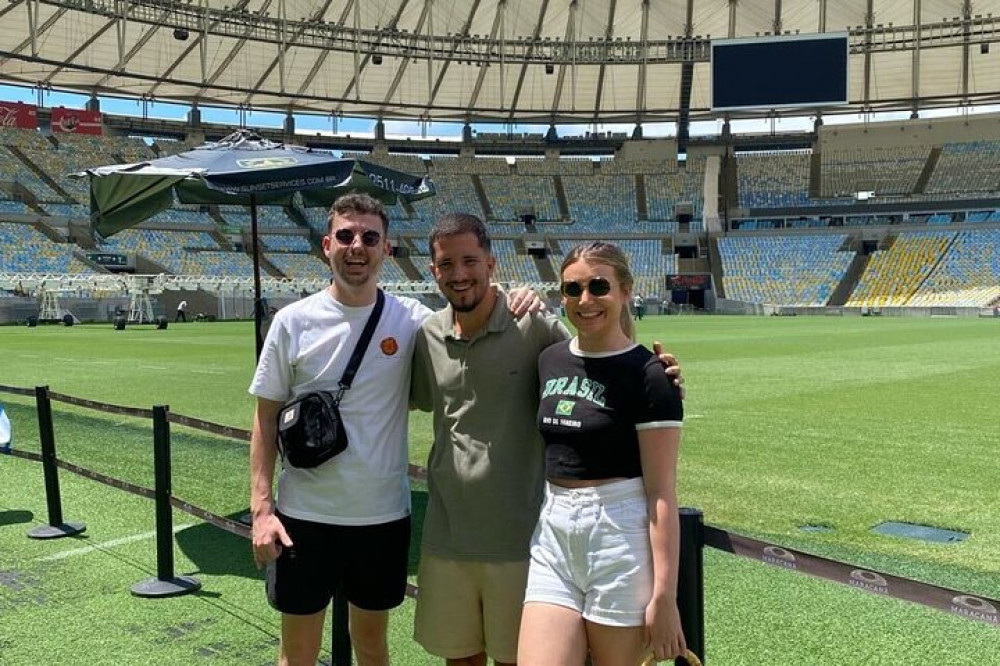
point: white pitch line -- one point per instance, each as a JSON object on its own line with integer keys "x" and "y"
{"x": 106, "y": 545}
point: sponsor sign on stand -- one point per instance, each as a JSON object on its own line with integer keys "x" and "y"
{"x": 75, "y": 121}
{"x": 18, "y": 115}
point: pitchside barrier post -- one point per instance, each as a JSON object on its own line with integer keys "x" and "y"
{"x": 691, "y": 581}
{"x": 166, "y": 584}
{"x": 340, "y": 652}
{"x": 57, "y": 527}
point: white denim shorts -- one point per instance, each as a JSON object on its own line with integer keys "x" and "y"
{"x": 590, "y": 552}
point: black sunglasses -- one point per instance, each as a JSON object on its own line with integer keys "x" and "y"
{"x": 346, "y": 237}
{"x": 597, "y": 286}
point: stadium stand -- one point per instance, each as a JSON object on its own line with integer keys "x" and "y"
{"x": 967, "y": 168}
{"x": 947, "y": 266}
{"x": 967, "y": 275}
{"x": 601, "y": 203}
{"x": 219, "y": 264}
{"x": 773, "y": 180}
{"x": 455, "y": 192}
{"x": 513, "y": 267}
{"x": 783, "y": 270}
{"x": 296, "y": 265}
{"x": 507, "y": 194}
{"x": 893, "y": 276}
{"x": 267, "y": 216}
{"x": 285, "y": 243}
{"x": 27, "y": 250}
{"x": 885, "y": 170}
{"x": 684, "y": 184}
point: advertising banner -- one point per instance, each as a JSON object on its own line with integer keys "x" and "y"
{"x": 75, "y": 121}
{"x": 18, "y": 114}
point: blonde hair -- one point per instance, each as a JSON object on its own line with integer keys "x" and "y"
{"x": 599, "y": 252}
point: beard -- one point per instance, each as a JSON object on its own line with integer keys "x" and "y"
{"x": 466, "y": 301}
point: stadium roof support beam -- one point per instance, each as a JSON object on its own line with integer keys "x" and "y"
{"x": 32, "y": 7}
{"x": 134, "y": 51}
{"x": 205, "y": 27}
{"x": 478, "y": 88}
{"x": 233, "y": 52}
{"x": 360, "y": 63}
{"x": 561, "y": 77}
{"x": 121, "y": 29}
{"x": 869, "y": 26}
{"x": 523, "y": 70}
{"x": 687, "y": 75}
{"x": 915, "y": 59}
{"x": 81, "y": 49}
{"x": 32, "y": 19}
{"x": 966, "y": 51}
{"x": 776, "y": 25}
{"x": 283, "y": 46}
{"x": 34, "y": 30}
{"x": 640, "y": 93}
{"x": 324, "y": 53}
{"x": 609, "y": 32}
{"x": 452, "y": 55}
{"x": 405, "y": 61}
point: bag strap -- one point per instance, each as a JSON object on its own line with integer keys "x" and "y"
{"x": 359, "y": 349}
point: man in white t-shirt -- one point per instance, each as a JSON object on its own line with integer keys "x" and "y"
{"x": 347, "y": 521}
{"x": 181, "y": 312}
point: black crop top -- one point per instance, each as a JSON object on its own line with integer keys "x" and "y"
{"x": 592, "y": 405}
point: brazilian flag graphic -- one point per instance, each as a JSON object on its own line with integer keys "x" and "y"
{"x": 565, "y": 407}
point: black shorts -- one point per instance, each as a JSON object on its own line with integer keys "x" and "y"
{"x": 369, "y": 560}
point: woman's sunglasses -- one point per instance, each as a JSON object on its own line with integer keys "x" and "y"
{"x": 346, "y": 237}
{"x": 597, "y": 286}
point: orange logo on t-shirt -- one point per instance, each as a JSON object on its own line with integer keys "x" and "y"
{"x": 389, "y": 346}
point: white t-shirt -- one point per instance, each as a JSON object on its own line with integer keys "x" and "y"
{"x": 306, "y": 350}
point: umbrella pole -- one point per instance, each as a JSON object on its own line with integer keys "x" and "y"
{"x": 258, "y": 316}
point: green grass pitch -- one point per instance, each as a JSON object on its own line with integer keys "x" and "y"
{"x": 835, "y": 421}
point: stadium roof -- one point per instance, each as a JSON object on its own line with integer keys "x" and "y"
{"x": 547, "y": 61}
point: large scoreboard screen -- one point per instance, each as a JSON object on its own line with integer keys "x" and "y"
{"x": 780, "y": 71}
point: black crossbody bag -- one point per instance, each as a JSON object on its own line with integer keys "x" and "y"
{"x": 310, "y": 430}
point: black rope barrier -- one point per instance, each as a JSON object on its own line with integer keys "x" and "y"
{"x": 973, "y": 607}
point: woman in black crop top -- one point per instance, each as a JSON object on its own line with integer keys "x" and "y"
{"x": 604, "y": 556}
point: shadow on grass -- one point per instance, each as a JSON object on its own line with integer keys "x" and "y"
{"x": 214, "y": 551}
{"x": 217, "y": 552}
{"x": 15, "y": 517}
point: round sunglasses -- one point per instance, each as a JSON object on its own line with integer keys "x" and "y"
{"x": 369, "y": 237}
{"x": 597, "y": 286}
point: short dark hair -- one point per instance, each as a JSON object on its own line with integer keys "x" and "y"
{"x": 357, "y": 203}
{"x": 456, "y": 224}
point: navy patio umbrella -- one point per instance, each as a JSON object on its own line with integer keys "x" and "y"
{"x": 242, "y": 169}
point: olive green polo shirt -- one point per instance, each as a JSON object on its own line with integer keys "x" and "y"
{"x": 486, "y": 467}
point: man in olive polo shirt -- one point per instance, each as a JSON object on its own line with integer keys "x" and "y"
{"x": 475, "y": 367}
